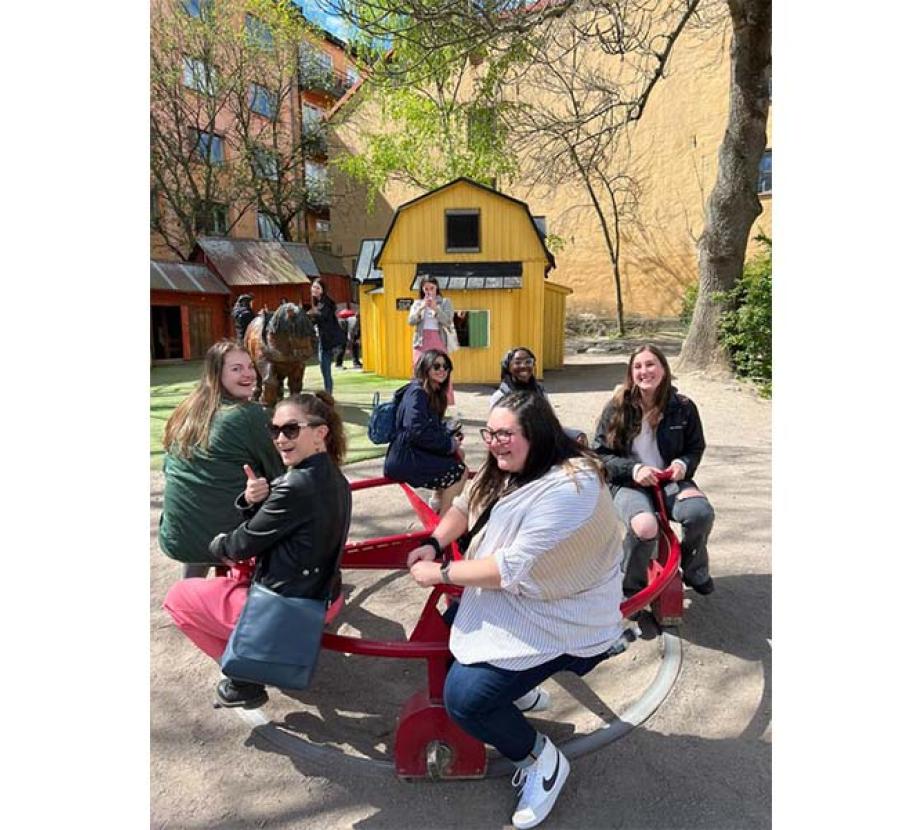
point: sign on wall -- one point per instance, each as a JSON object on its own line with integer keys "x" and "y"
{"x": 404, "y": 303}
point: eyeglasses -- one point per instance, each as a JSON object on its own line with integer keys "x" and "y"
{"x": 523, "y": 361}
{"x": 500, "y": 436}
{"x": 439, "y": 366}
{"x": 292, "y": 429}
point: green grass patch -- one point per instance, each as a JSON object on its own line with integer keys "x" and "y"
{"x": 353, "y": 392}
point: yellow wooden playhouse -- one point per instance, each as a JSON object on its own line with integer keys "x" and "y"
{"x": 490, "y": 259}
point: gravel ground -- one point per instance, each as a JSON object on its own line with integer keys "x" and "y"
{"x": 703, "y": 760}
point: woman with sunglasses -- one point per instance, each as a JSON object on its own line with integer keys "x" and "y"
{"x": 542, "y": 587}
{"x": 433, "y": 316}
{"x": 425, "y": 453}
{"x": 208, "y": 439}
{"x": 647, "y": 428}
{"x": 294, "y": 527}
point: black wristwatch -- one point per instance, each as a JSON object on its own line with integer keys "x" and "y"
{"x": 446, "y": 578}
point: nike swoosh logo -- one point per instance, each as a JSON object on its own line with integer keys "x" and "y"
{"x": 548, "y": 783}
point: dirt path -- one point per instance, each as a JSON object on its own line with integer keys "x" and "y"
{"x": 702, "y": 761}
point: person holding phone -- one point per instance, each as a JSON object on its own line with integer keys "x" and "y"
{"x": 425, "y": 452}
{"x": 433, "y": 315}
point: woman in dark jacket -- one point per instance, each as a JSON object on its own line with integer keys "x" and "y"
{"x": 330, "y": 336}
{"x": 295, "y": 528}
{"x": 425, "y": 453}
{"x": 647, "y": 428}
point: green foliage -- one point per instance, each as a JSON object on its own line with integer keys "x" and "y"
{"x": 689, "y": 298}
{"x": 437, "y": 123}
{"x": 746, "y": 327}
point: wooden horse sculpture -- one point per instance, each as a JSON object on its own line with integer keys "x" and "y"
{"x": 280, "y": 355}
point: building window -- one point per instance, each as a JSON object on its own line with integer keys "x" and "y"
{"x": 209, "y": 146}
{"x": 263, "y": 101}
{"x": 268, "y": 228}
{"x": 322, "y": 226}
{"x": 352, "y": 76}
{"x": 265, "y": 164}
{"x": 764, "y": 186}
{"x": 197, "y": 75}
{"x": 258, "y": 32}
{"x": 311, "y": 118}
{"x": 211, "y": 219}
{"x": 462, "y": 231}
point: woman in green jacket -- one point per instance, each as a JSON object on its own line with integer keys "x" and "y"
{"x": 211, "y": 439}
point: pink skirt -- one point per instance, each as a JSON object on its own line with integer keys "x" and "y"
{"x": 432, "y": 339}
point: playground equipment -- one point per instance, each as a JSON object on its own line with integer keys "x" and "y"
{"x": 427, "y": 744}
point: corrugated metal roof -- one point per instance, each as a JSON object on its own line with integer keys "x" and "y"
{"x": 252, "y": 261}
{"x": 302, "y": 256}
{"x": 329, "y": 264}
{"x": 184, "y": 276}
{"x": 365, "y": 269}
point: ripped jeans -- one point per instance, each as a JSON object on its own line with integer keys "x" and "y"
{"x": 694, "y": 514}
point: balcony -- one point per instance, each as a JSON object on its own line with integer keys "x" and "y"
{"x": 316, "y": 77}
{"x": 314, "y": 141}
{"x": 318, "y": 194}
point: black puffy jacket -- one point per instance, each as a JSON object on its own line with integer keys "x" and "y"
{"x": 297, "y": 532}
{"x": 678, "y": 436}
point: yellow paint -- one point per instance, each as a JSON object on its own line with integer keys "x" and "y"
{"x": 532, "y": 315}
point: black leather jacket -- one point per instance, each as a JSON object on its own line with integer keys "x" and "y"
{"x": 297, "y": 533}
{"x": 678, "y": 436}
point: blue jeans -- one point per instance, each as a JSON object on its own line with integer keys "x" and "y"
{"x": 480, "y": 699}
{"x": 325, "y": 356}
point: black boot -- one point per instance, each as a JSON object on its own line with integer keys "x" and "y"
{"x": 232, "y": 693}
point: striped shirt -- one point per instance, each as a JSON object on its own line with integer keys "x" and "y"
{"x": 557, "y": 542}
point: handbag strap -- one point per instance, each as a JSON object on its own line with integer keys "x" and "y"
{"x": 465, "y": 539}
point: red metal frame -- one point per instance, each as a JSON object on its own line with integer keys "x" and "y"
{"x": 427, "y": 743}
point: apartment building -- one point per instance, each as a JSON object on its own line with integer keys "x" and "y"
{"x": 238, "y": 151}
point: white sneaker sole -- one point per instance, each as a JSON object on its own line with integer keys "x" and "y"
{"x": 540, "y": 704}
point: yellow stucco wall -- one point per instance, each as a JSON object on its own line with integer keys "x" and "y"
{"x": 518, "y": 316}
{"x": 674, "y": 154}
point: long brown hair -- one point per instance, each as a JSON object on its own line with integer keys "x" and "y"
{"x": 189, "y": 426}
{"x": 627, "y": 414}
{"x": 548, "y": 446}
{"x": 320, "y": 406}
{"x": 437, "y": 395}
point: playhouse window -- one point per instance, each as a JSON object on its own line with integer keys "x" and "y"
{"x": 462, "y": 231}
{"x": 473, "y": 328}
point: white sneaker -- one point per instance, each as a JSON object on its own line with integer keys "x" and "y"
{"x": 537, "y": 700}
{"x": 542, "y": 783}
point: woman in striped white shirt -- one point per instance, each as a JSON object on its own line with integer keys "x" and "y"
{"x": 542, "y": 587}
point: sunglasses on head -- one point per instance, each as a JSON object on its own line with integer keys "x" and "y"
{"x": 292, "y": 429}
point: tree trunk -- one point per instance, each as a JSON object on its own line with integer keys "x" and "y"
{"x": 733, "y": 204}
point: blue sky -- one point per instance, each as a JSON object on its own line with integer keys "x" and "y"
{"x": 330, "y": 22}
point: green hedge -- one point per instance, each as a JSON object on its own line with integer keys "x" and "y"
{"x": 746, "y": 327}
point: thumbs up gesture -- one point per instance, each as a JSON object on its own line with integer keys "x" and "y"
{"x": 257, "y": 488}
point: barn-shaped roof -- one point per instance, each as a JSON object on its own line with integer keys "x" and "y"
{"x": 541, "y": 237}
{"x": 184, "y": 276}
